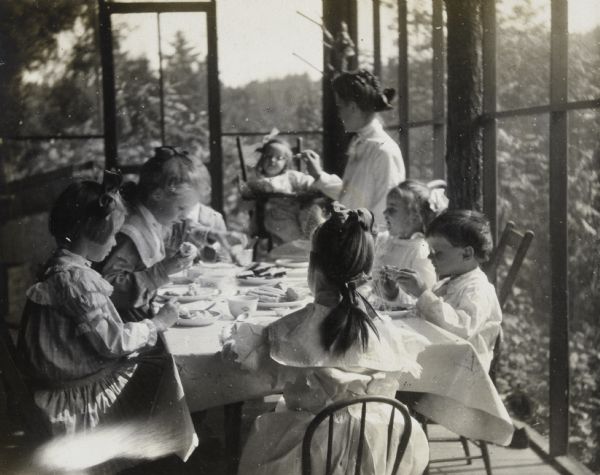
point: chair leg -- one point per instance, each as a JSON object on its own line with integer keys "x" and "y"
{"x": 486, "y": 457}
{"x": 465, "y": 444}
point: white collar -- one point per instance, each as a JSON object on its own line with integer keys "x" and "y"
{"x": 373, "y": 128}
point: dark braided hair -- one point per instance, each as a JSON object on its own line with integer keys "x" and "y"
{"x": 87, "y": 208}
{"x": 363, "y": 88}
{"x": 343, "y": 250}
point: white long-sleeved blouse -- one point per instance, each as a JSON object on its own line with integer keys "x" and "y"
{"x": 467, "y": 306}
{"x": 375, "y": 166}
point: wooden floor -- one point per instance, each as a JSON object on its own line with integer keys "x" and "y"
{"x": 211, "y": 459}
{"x": 504, "y": 461}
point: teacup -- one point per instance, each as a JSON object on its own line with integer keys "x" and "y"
{"x": 242, "y": 303}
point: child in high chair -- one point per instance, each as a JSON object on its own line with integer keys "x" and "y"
{"x": 463, "y": 302}
{"x": 73, "y": 343}
{"x": 410, "y": 206}
{"x": 139, "y": 264}
{"x": 334, "y": 349}
{"x": 285, "y": 218}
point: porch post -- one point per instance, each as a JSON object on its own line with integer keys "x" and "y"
{"x": 464, "y": 136}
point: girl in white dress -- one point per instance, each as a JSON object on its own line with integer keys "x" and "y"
{"x": 333, "y": 349}
{"x": 410, "y": 206}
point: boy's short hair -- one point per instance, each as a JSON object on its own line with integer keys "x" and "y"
{"x": 464, "y": 228}
{"x": 166, "y": 170}
{"x": 84, "y": 209}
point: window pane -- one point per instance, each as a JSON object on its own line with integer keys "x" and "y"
{"x": 184, "y": 51}
{"x": 57, "y": 78}
{"x": 523, "y": 53}
{"x": 421, "y": 153}
{"x": 523, "y": 198}
{"x": 420, "y": 53}
{"x": 366, "y": 43}
{"x": 584, "y": 284}
{"x": 584, "y": 49}
{"x": 136, "y": 58}
{"x": 263, "y": 65}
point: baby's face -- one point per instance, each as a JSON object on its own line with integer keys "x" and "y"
{"x": 274, "y": 159}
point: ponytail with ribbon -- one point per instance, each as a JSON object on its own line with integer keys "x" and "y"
{"x": 343, "y": 249}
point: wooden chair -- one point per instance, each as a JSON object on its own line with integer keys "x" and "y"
{"x": 519, "y": 242}
{"x": 37, "y": 428}
{"x": 329, "y": 413}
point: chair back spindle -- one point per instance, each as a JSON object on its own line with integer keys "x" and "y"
{"x": 329, "y": 413}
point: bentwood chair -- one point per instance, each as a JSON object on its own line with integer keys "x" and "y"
{"x": 519, "y": 243}
{"x": 330, "y": 412}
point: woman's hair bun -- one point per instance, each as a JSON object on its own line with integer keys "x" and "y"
{"x": 385, "y": 99}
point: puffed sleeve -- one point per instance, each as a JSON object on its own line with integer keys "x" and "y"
{"x": 464, "y": 320}
{"x": 86, "y": 298}
{"x": 133, "y": 287}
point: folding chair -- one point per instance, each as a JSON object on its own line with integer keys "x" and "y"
{"x": 329, "y": 413}
{"x": 519, "y": 242}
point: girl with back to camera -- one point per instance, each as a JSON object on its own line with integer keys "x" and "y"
{"x": 410, "y": 207}
{"x": 74, "y": 346}
{"x": 333, "y": 349}
{"x": 463, "y": 302}
{"x": 375, "y": 162}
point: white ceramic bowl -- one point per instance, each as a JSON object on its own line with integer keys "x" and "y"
{"x": 242, "y": 303}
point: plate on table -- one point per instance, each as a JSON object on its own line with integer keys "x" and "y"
{"x": 258, "y": 280}
{"x": 292, "y": 264}
{"x": 396, "y": 314}
{"x": 202, "y": 318}
{"x": 182, "y": 293}
{"x": 270, "y": 305}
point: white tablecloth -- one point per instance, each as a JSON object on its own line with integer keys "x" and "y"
{"x": 458, "y": 393}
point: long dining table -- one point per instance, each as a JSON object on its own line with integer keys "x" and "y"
{"x": 456, "y": 390}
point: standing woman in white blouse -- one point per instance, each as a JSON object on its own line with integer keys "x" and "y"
{"x": 375, "y": 163}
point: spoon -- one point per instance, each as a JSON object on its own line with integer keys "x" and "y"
{"x": 209, "y": 307}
